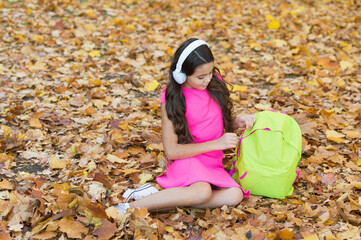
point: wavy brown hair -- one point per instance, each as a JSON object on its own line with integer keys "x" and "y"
{"x": 175, "y": 100}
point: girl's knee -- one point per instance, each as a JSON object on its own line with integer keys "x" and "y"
{"x": 201, "y": 192}
{"x": 235, "y": 196}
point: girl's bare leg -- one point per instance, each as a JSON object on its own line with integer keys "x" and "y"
{"x": 195, "y": 194}
{"x": 225, "y": 196}
{"x": 199, "y": 195}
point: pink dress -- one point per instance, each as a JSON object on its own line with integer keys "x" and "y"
{"x": 205, "y": 123}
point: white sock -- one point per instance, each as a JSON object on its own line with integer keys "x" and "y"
{"x": 122, "y": 207}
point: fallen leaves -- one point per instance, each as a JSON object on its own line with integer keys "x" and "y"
{"x": 56, "y": 163}
{"x": 80, "y": 116}
{"x": 72, "y": 228}
{"x": 106, "y": 230}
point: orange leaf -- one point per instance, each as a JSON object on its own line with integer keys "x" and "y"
{"x": 121, "y": 155}
{"x": 141, "y": 212}
{"x": 45, "y": 235}
{"x": 5, "y": 184}
{"x": 97, "y": 210}
{"x": 328, "y": 64}
{"x": 117, "y": 136}
{"x": 4, "y": 157}
{"x": 34, "y": 120}
{"x": 4, "y": 233}
{"x": 309, "y": 236}
{"x": 73, "y": 229}
{"x": 286, "y": 235}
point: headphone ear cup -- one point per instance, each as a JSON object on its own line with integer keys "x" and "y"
{"x": 179, "y": 77}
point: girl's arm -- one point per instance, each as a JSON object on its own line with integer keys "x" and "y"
{"x": 174, "y": 151}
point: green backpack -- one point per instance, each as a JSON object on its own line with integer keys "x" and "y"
{"x": 268, "y": 155}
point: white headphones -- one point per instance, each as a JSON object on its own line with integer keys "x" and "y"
{"x": 178, "y": 75}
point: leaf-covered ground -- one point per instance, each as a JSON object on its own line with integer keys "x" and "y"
{"x": 80, "y": 83}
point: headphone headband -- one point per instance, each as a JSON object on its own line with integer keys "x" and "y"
{"x": 190, "y": 48}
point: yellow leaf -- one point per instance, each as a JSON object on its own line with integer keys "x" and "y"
{"x": 95, "y": 82}
{"x": 111, "y": 212}
{"x": 344, "y": 65}
{"x": 130, "y": 27}
{"x": 38, "y": 38}
{"x": 332, "y": 135}
{"x": 239, "y": 88}
{"x": 73, "y": 203}
{"x": 308, "y": 63}
{"x": 118, "y": 21}
{"x": 56, "y": 163}
{"x": 327, "y": 113}
{"x": 71, "y": 149}
{"x": 269, "y": 17}
{"x": 255, "y": 46}
{"x": 95, "y": 53}
{"x": 234, "y": 97}
{"x": 336, "y": 139}
{"x": 124, "y": 125}
{"x": 5, "y": 157}
{"x": 309, "y": 236}
{"x": 169, "y": 229}
{"x": 124, "y": 40}
{"x": 359, "y": 162}
{"x": 280, "y": 43}
{"x": 38, "y": 66}
{"x": 275, "y": 24}
{"x": 352, "y": 133}
{"x": 170, "y": 51}
{"x": 225, "y": 44}
{"x": 128, "y": 171}
{"x": 99, "y": 103}
{"x": 151, "y": 86}
{"x": 263, "y": 106}
{"x": 286, "y": 234}
{"x": 117, "y": 136}
{"x": 5, "y": 184}
{"x": 5, "y": 130}
{"x": 115, "y": 159}
{"x": 144, "y": 177}
{"x": 297, "y": 202}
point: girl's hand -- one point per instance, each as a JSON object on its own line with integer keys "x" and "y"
{"x": 245, "y": 121}
{"x": 228, "y": 140}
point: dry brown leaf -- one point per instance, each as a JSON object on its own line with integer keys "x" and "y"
{"x": 4, "y": 233}
{"x": 73, "y": 228}
{"x": 45, "y": 235}
{"x": 106, "y": 231}
{"x": 5, "y": 184}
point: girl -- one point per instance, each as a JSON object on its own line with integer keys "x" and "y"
{"x": 197, "y": 124}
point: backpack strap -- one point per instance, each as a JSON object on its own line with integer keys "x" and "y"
{"x": 243, "y": 137}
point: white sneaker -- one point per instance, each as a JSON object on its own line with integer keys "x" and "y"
{"x": 122, "y": 207}
{"x": 140, "y": 192}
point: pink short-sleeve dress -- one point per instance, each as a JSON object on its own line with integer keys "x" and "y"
{"x": 205, "y": 123}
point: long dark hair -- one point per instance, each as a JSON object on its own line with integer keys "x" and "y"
{"x": 175, "y": 101}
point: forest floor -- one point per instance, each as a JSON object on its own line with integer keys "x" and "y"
{"x": 80, "y": 84}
